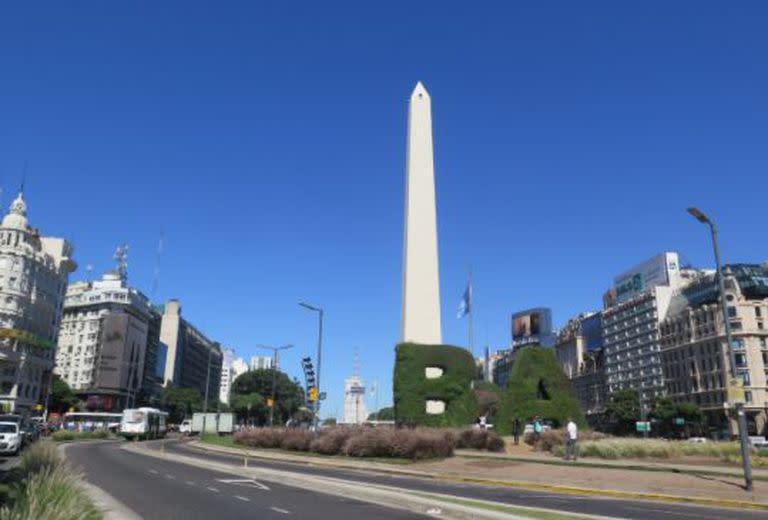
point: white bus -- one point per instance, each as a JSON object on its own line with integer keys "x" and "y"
{"x": 89, "y": 421}
{"x": 143, "y": 423}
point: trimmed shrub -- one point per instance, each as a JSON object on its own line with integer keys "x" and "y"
{"x": 65, "y": 436}
{"x": 296, "y": 439}
{"x": 479, "y": 439}
{"x": 538, "y": 386}
{"x": 412, "y": 388}
{"x": 260, "y": 437}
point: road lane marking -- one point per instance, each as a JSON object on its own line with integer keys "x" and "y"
{"x": 212, "y": 489}
{"x": 248, "y": 482}
{"x": 278, "y": 510}
{"x": 242, "y": 498}
{"x": 190, "y": 483}
{"x": 153, "y": 471}
{"x": 171, "y": 477}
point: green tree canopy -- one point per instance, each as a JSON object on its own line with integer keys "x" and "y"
{"x": 665, "y": 411}
{"x": 248, "y": 406}
{"x": 62, "y": 396}
{"x": 289, "y": 395}
{"x": 384, "y": 414}
{"x": 623, "y": 410}
{"x": 181, "y": 403}
{"x": 329, "y": 421}
{"x": 537, "y": 386}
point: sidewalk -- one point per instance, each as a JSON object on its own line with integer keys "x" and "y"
{"x": 525, "y": 454}
{"x": 500, "y": 470}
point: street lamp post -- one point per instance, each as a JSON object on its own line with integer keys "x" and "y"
{"x": 320, "y": 313}
{"x": 740, "y": 414}
{"x": 274, "y": 350}
{"x": 207, "y": 384}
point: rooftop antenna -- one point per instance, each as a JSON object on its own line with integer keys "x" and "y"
{"x": 121, "y": 257}
{"x": 88, "y": 271}
{"x": 356, "y": 364}
{"x": 23, "y": 177}
{"x": 156, "y": 276}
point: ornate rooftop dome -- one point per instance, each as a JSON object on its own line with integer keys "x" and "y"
{"x": 17, "y": 216}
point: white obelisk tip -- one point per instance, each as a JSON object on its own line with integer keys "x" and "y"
{"x": 419, "y": 91}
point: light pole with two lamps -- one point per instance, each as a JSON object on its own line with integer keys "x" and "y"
{"x": 274, "y": 350}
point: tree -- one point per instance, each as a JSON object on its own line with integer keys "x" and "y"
{"x": 488, "y": 397}
{"x": 62, "y": 396}
{"x": 384, "y": 414}
{"x": 665, "y": 411}
{"x": 246, "y": 406}
{"x": 289, "y": 395}
{"x": 181, "y": 402}
{"x": 538, "y": 386}
{"x": 329, "y": 421}
{"x": 623, "y": 410}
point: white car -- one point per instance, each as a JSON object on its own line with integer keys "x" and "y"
{"x": 11, "y": 438}
{"x": 185, "y": 427}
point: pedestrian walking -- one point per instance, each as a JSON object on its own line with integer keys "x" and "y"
{"x": 537, "y": 429}
{"x": 571, "y": 437}
{"x": 516, "y": 430}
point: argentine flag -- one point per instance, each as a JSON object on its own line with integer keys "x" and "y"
{"x": 465, "y": 306}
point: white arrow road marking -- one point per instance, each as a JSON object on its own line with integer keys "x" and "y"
{"x": 212, "y": 489}
{"x": 153, "y": 471}
{"x": 242, "y": 498}
{"x": 243, "y": 482}
{"x": 278, "y": 510}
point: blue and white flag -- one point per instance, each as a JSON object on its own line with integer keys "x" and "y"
{"x": 465, "y": 307}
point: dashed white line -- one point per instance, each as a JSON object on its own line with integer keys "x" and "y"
{"x": 212, "y": 489}
{"x": 242, "y": 498}
{"x": 171, "y": 477}
{"x": 278, "y": 510}
{"x": 153, "y": 471}
{"x": 190, "y": 483}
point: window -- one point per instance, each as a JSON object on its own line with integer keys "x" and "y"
{"x": 748, "y": 396}
{"x": 758, "y": 312}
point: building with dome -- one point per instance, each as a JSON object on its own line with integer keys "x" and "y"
{"x": 34, "y": 271}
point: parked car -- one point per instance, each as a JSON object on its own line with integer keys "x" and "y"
{"x": 11, "y": 438}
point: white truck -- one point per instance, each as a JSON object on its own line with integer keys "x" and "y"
{"x": 212, "y": 423}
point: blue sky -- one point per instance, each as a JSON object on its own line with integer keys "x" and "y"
{"x": 268, "y": 144}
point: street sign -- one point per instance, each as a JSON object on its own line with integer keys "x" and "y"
{"x": 735, "y": 391}
{"x": 643, "y": 426}
{"x": 313, "y": 393}
{"x": 322, "y": 396}
{"x": 680, "y": 421}
{"x": 39, "y": 407}
{"x": 270, "y": 402}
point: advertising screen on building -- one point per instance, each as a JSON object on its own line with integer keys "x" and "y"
{"x": 531, "y": 326}
{"x": 662, "y": 269}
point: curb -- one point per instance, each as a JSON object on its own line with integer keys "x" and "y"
{"x": 534, "y": 486}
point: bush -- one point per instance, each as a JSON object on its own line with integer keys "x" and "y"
{"x": 331, "y": 441}
{"x": 66, "y": 436}
{"x": 479, "y": 439}
{"x": 296, "y": 440}
{"x": 553, "y": 440}
{"x": 48, "y": 488}
{"x": 260, "y": 437}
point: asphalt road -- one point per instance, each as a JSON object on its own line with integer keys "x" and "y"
{"x": 165, "y": 490}
{"x": 631, "y": 509}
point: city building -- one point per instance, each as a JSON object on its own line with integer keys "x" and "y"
{"x": 579, "y": 350}
{"x": 354, "y": 401}
{"x": 533, "y": 326}
{"x": 103, "y": 341}
{"x": 261, "y": 362}
{"x": 503, "y": 360}
{"x": 225, "y": 386}
{"x": 695, "y": 358}
{"x": 192, "y": 358}
{"x": 34, "y": 271}
{"x": 239, "y": 367}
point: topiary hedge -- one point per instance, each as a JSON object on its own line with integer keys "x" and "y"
{"x": 538, "y": 386}
{"x": 412, "y": 388}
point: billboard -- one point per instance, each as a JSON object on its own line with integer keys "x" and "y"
{"x": 662, "y": 269}
{"x": 532, "y": 326}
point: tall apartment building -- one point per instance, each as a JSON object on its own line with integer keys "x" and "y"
{"x": 33, "y": 279}
{"x": 635, "y": 307}
{"x": 225, "y": 386}
{"x": 239, "y": 367}
{"x": 579, "y": 350}
{"x": 696, "y": 361}
{"x": 261, "y": 362}
{"x": 192, "y": 358}
{"x": 108, "y": 343}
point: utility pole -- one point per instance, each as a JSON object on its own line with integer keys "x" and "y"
{"x": 740, "y": 414}
{"x": 321, "y": 313}
{"x": 207, "y": 384}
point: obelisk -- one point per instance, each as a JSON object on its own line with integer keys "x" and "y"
{"x": 421, "y": 280}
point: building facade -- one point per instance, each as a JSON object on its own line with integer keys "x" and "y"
{"x": 225, "y": 386}
{"x": 635, "y": 307}
{"x": 695, "y": 357}
{"x": 261, "y": 363}
{"x": 354, "y": 401}
{"x": 108, "y": 332}
{"x": 192, "y": 358}
{"x": 34, "y": 271}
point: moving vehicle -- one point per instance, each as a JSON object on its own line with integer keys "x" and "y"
{"x": 23, "y": 427}
{"x": 89, "y": 421}
{"x": 143, "y": 423}
{"x": 11, "y": 438}
{"x": 185, "y": 427}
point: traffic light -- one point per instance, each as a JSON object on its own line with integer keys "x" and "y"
{"x": 313, "y": 393}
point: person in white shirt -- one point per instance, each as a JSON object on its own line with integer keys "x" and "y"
{"x": 571, "y": 436}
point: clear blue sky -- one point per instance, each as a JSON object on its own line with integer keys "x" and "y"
{"x": 268, "y": 144}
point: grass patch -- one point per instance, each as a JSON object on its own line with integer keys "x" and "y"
{"x": 44, "y": 486}
{"x": 67, "y": 436}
